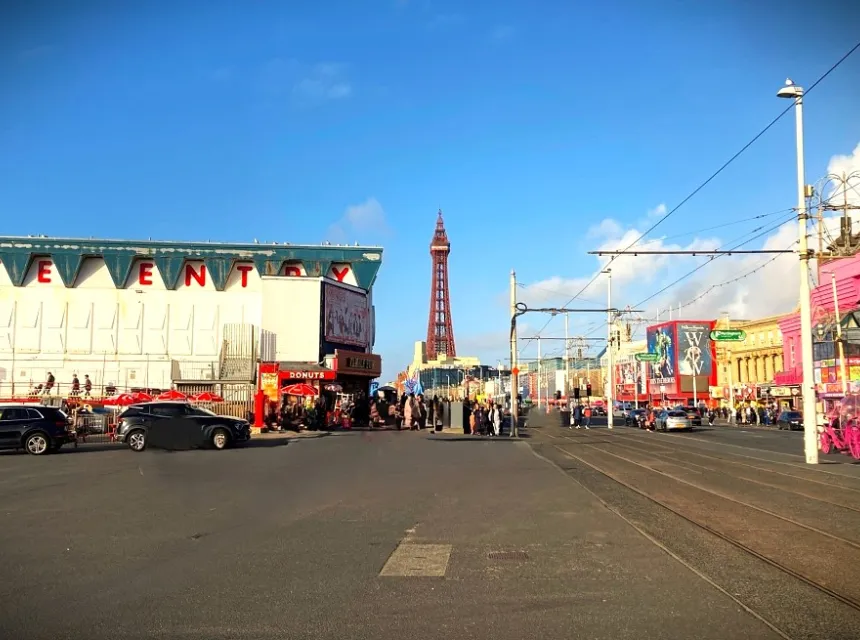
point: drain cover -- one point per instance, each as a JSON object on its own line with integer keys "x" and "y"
{"x": 508, "y": 555}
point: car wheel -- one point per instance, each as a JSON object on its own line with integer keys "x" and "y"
{"x": 37, "y": 444}
{"x": 220, "y": 439}
{"x": 136, "y": 440}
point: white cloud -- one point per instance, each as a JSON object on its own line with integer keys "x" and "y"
{"x": 359, "y": 220}
{"x": 637, "y": 277}
{"x": 849, "y": 166}
{"x": 308, "y": 85}
{"x": 323, "y": 82}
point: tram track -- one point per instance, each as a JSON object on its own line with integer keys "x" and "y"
{"x": 703, "y": 447}
{"x": 851, "y": 601}
{"x": 714, "y": 465}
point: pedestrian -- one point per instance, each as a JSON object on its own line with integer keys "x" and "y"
{"x": 473, "y": 419}
{"x": 374, "y": 413}
{"x": 88, "y": 386}
{"x": 409, "y": 412}
{"x": 431, "y": 412}
{"x": 49, "y": 384}
{"x": 496, "y": 419}
{"x": 422, "y": 412}
{"x": 577, "y": 416}
{"x": 76, "y": 385}
{"x": 587, "y": 416}
{"x": 438, "y": 413}
{"x": 467, "y": 417}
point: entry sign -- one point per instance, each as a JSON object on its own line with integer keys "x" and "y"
{"x": 728, "y": 335}
{"x": 646, "y": 357}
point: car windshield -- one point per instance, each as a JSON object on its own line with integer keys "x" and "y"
{"x": 677, "y": 414}
{"x": 791, "y": 415}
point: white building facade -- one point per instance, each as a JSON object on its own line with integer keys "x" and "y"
{"x": 143, "y": 315}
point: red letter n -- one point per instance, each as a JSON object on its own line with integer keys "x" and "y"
{"x": 190, "y": 274}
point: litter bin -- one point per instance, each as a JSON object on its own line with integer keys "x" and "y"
{"x": 564, "y": 416}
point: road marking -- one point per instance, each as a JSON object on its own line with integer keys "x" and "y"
{"x": 418, "y": 560}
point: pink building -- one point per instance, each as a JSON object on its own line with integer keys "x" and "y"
{"x": 847, "y": 272}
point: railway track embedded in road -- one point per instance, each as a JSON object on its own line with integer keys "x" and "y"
{"x": 739, "y": 544}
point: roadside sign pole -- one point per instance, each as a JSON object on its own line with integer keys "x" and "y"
{"x": 515, "y": 378}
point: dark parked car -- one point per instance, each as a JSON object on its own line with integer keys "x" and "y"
{"x": 791, "y": 420}
{"x": 632, "y": 417}
{"x": 216, "y": 431}
{"x": 36, "y": 429}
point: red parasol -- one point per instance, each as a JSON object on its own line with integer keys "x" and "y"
{"x": 300, "y": 389}
{"x": 125, "y": 399}
{"x": 207, "y": 396}
{"x": 173, "y": 394}
{"x": 140, "y": 396}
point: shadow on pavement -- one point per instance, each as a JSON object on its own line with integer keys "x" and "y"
{"x": 464, "y": 437}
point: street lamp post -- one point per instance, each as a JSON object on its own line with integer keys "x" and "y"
{"x": 610, "y": 376}
{"x": 810, "y": 414}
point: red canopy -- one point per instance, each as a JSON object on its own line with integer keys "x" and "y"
{"x": 125, "y": 399}
{"x": 173, "y": 394}
{"x": 300, "y": 389}
{"x": 207, "y": 396}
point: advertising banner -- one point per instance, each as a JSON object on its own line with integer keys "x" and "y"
{"x": 346, "y": 316}
{"x": 661, "y": 340}
{"x": 630, "y": 377}
{"x": 694, "y": 349}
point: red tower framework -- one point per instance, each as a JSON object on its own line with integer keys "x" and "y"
{"x": 440, "y": 329}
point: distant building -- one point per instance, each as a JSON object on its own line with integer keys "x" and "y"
{"x": 750, "y": 367}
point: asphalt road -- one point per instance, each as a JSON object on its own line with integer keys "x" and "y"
{"x": 358, "y": 535}
{"x": 759, "y": 438}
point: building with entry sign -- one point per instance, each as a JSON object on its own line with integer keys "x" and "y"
{"x": 152, "y": 315}
{"x": 684, "y": 370}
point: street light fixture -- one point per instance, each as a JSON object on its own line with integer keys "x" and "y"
{"x": 810, "y": 413}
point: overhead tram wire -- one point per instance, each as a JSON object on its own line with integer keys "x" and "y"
{"x": 736, "y": 279}
{"x": 524, "y": 285}
{"x": 722, "y": 168}
{"x": 762, "y": 231}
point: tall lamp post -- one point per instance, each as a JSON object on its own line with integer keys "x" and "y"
{"x": 610, "y": 376}
{"x": 810, "y": 415}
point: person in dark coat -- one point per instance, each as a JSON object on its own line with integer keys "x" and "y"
{"x": 467, "y": 413}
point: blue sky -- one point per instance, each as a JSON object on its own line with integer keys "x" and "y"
{"x": 543, "y": 130}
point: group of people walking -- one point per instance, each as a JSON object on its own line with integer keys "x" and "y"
{"x": 415, "y": 412}
{"x": 482, "y": 418}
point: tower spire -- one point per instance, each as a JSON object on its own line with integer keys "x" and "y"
{"x": 440, "y": 329}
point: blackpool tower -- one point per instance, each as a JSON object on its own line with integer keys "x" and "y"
{"x": 440, "y": 329}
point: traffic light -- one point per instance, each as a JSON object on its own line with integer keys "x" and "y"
{"x": 588, "y": 390}
{"x": 576, "y": 393}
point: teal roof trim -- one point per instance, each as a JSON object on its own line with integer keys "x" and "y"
{"x": 219, "y": 270}
{"x": 119, "y": 266}
{"x": 17, "y": 254}
{"x": 16, "y": 264}
{"x": 68, "y": 265}
{"x": 170, "y": 268}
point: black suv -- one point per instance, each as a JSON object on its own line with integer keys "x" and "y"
{"x": 36, "y": 429}
{"x": 218, "y": 431}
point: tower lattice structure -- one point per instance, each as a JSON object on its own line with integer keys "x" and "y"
{"x": 440, "y": 328}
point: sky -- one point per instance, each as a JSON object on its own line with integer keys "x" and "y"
{"x": 542, "y": 130}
